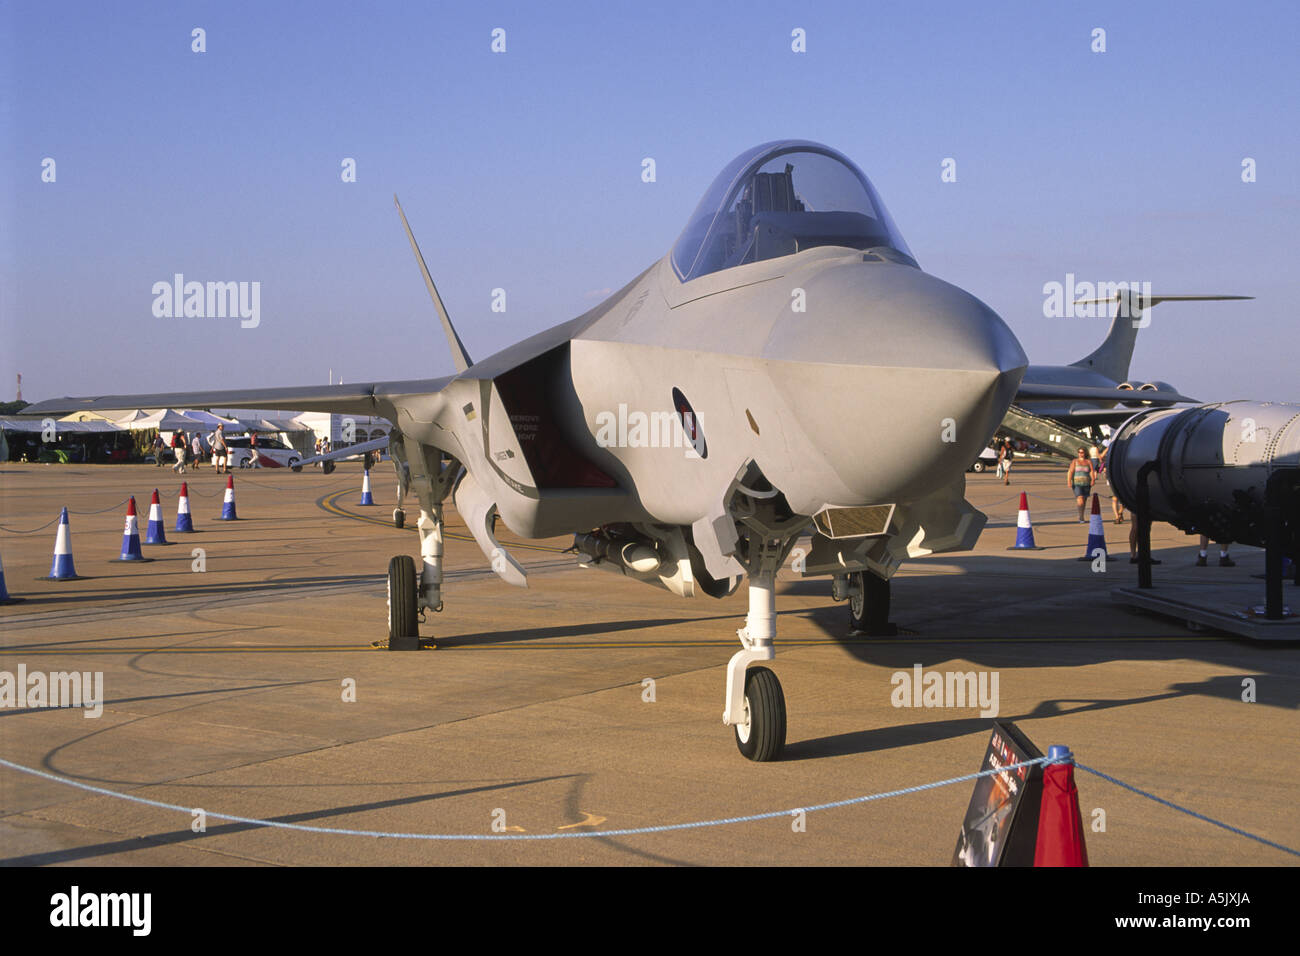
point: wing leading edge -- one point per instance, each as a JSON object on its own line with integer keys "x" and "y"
{"x": 1029, "y": 392}
{"x": 360, "y": 399}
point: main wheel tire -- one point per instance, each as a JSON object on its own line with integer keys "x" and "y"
{"x": 869, "y": 607}
{"x": 399, "y": 518}
{"x": 403, "y": 609}
{"x": 761, "y": 736}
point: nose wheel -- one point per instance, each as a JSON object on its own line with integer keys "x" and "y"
{"x": 760, "y": 733}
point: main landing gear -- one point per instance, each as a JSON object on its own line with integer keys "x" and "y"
{"x": 868, "y": 605}
{"x": 410, "y": 595}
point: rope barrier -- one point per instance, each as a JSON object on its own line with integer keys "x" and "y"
{"x": 55, "y": 520}
{"x": 639, "y": 831}
{"x": 1191, "y": 813}
{"x": 634, "y": 831}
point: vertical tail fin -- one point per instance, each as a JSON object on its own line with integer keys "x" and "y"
{"x": 458, "y": 353}
{"x": 1113, "y": 357}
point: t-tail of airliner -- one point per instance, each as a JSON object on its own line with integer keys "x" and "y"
{"x": 1113, "y": 356}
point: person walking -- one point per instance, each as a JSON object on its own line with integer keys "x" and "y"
{"x": 1116, "y": 506}
{"x": 1005, "y": 454}
{"x": 253, "y": 456}
{"x": 158, "y": 446}
{"x": 220, "y": 453}
{"x": 196, "y": 446}
{"x": 1079, "y": 478}
{"x": 178, "y": 446}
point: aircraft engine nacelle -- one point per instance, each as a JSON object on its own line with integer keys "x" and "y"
{"x": 1215, "y": 463}
{"x": 1155, "y": 387}
{"x": 1129, "y": 387}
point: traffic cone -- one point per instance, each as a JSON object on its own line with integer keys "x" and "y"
{"x": 154, "y": 532}
{"x": 365, "y": 488}
{"x": 1024, "y": 528}
{"x": 131, "y": 536}
{"x": 1060, "y": 823}
{"x": 4, "y": 592}
{"x": 228, "y": 505}
{"x": 63, "y": 569}
{"x": 184, "y": 523}
{"x": 1096, "y": 533}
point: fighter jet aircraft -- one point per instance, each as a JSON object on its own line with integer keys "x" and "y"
{"x": 787, "y": 368}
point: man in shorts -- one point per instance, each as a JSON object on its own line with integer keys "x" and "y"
{"x": 220, "y": 454}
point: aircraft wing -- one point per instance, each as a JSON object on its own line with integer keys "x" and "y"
{"x": 1029, "y": 392}
{"x": 351, "y": 451}
{"x": 360, "y": 399}
{"x": 1098, "y": 416}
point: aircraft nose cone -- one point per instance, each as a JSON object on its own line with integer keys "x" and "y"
{"x": 903, "y": 378}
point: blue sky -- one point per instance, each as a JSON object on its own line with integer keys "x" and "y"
{"x": 522, "y": 170}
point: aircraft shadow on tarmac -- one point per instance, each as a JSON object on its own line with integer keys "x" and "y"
{"x": 1047, "y": 623}
{"x": 908, "y": 735}
{"x": 569, "y": 630}
{"x": 202, "y": 590}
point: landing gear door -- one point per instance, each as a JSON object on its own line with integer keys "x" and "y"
{"x": 497, "y": 437}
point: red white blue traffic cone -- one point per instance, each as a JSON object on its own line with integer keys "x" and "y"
{"x": 1096, "y": 533}
{"x": 131, "y": 536}
{"x": 365, "y": 488}
{"x": 63, "y": 569}
{"x": 1024, "y": 528}
{"x": 184, "y": 523}
{"x": 154, "y": 532}
{"x": 228, "y": 505}
{"x": 4, "y": 592}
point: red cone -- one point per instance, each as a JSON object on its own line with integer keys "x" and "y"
{"x": 1060, "y": 824}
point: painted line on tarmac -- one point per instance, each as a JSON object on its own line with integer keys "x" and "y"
{"x": 330, "y": 504}
{"x": 604, "y": 645}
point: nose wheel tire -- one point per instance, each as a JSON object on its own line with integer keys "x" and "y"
{"x": 403, "y": 609}
{"x": 399, "y": 518}
{"x": 761, "y": 734}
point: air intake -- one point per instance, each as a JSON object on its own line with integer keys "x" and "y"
{"x": 854, "y": 522}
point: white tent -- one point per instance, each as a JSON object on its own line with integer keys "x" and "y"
{"x": 167, "y": 420}
{"x": 209, "y": 420}
{"x": 270, "y": 426}
{"x": 134, "y": 416}
{"x": 34, "y": 426}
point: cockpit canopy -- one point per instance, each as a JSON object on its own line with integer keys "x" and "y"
{"x": 778, "y": 199}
